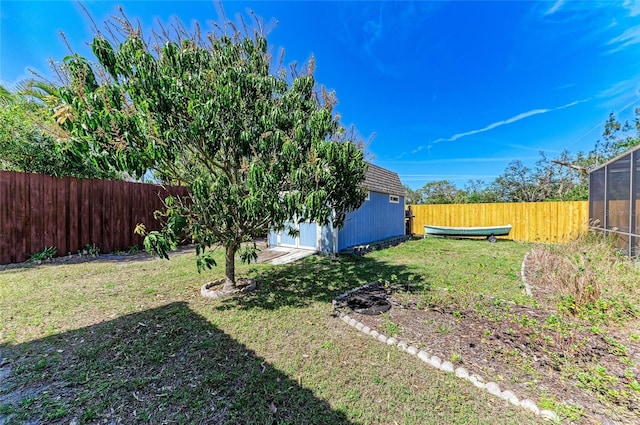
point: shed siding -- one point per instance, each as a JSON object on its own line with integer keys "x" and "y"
{"x": 273, "y": 239}
{"x": 375, "y": 220}
{"x": 326, "y": 239}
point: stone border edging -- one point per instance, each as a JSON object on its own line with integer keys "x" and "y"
{"x": 445, "y": 366}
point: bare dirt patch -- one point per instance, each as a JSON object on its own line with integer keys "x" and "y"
{"x": 585, "y": 373}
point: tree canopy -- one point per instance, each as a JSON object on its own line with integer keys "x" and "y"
{"x": 256, "y": 145}
{"x": 29, "y": 137}
{"x": 438, "y": 192}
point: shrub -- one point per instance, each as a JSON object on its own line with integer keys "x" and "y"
{"x": 590, "y": 277}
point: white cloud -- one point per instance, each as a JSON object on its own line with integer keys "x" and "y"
{"x": 618, "y": 98}
{"x": 632, "y": 6}
{"x": 618, "y": 88}
{"x": 622, "y": 93}
{"x": 367, "y": 29}
{"x": 556, "y": 6}
{"x": 630, "y": 37}
{"x": 565, "y": 86}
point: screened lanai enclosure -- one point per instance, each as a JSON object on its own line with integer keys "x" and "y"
{"x": 614, "y": 193}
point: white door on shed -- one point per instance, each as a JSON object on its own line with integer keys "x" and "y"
{"x": 307, "y": 237}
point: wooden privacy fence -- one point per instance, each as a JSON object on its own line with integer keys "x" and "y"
{"x": 531, "y": 221}
{"x": 38, "y": 211}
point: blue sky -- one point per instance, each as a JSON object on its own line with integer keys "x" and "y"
{"x": 443, "y": 90}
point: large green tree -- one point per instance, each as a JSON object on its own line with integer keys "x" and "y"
{"x": 548, "y": 181}
{"x": 412, "y": 197}
{"x": 256, "y": 145}
{"x": 617, "y": 138}
{"x": 437, "y": 192}
{"x": 30, "y": 140}
{"x": 441, "y": 192}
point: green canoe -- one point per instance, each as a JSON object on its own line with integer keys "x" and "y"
{"x": 489, "y": 232}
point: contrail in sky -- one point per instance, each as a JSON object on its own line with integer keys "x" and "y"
{"x": 499, "y": 124}
{"x": 507, "y": 121}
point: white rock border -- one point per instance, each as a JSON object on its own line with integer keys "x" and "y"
{"x": 445, "y": 366}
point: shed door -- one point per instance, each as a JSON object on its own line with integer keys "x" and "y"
{"x": 307, "y": 238}
{"x": 285, "y": 238}
{"x": 308, "y": 235}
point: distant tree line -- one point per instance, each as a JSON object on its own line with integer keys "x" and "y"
{"x": 564, "y": 178}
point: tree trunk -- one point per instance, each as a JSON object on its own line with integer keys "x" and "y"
{"x": 230, "y": 268}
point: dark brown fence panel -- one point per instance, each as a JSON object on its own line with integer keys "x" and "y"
{"x": 22, "y": 217}
{"x": 121, "y": 225}
{"x": 6, "y": 237}
{"x": 14, "y": 231}
{"x": 61, "y": 232}
{"x": 107, "y": 216}
{"x": 146, "y": 210}
{"x": 85, "y": 212}
{"x": 73, "y": 215}
{"x": 38, "y": 211}
{"x": 96, "y": 213}
{"x": 49, "y": 211}
{"x": 134, "y": 212}
{"x": 36, "y": 202}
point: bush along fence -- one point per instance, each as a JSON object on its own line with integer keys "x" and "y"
{"x": 531, "y": 221}
{"x": 38, "y": 212}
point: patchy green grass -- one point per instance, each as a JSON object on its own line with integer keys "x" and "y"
{"x": 132, "y": 341}
{"x": 459, "y": 271}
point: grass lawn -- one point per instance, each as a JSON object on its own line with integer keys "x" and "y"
{"x": 132, "y": 341}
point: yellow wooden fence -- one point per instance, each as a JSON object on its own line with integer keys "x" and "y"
{"x": 531, "y": 221}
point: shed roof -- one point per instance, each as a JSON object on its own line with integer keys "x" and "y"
{"x": 381, "y": 180}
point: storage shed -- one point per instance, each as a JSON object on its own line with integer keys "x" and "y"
{"x": 614, "y": 193}
{"x": 380, "y": 217}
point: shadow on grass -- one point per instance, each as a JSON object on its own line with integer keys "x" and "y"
{"x": 312, "y": 279}
{"x": 164, "y": 365}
